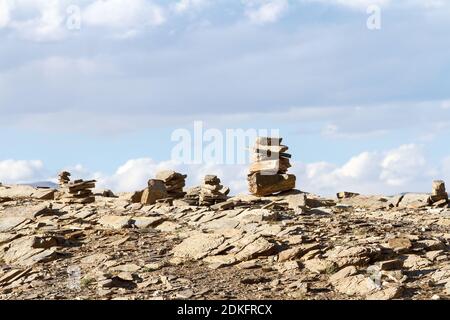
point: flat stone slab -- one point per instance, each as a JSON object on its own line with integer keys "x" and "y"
{"x": 146, "y": 222}
{"x": 198, "y": 246}
{"x": 115, "y": 222}
{"x": 9, "y": 223}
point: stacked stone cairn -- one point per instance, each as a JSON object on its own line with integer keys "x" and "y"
{"x": 212, "y": 192}
{"x": 439, "y": 194}
{"x": 77, "y": 192}
{"x": 268, "y": 170}
{"x": 63, "y": 178}
{"x": 192, "y": 196}
{"x": 174, "y": 183}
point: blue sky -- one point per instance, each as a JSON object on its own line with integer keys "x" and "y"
{"x": 367, "y": 110}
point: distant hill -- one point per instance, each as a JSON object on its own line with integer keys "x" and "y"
{"x": 43, "y": 184}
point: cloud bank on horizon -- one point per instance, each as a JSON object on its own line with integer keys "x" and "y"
{"x": 363, "y": 110}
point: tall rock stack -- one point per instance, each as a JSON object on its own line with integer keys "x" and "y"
{"x": 212, "y": 192}
{"x": 174, "y": 182}
{"x": 438, "y": 193}
{"x": 268, "y": 171}
{"x": 78, "y": 191}
{"x": 63, "y": 178}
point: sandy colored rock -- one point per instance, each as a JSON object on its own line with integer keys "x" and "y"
{"x": 25, "y": 252}
{"x": 356, "y": 255}
{"x": 156, "y": 190}
{"x": 146, "y": 222}
{"x": 414, "y": 201}
{"x": 320, "y": 265}
{"x": 257, "y": 248}
{"x": 357, "y": 285}
{"x": 264, "y": 185}
{"x": 115, "y": 222}
{"x": 346, "y": 195}
{"x": 400, "y": 244}
{"x": 198, "y": 246}
{"x": 343, "y": 273}
{"x": 386, "y": 294}
{"x": 415, "y": 262}
{"x": 9, "y": 223}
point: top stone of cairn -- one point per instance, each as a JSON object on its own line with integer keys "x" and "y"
{"x": 438, "y": 192}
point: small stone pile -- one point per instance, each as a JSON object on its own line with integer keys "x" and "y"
{"x": 192, "y": 196}
{"x": 155, "y": 191}
{"x": 63, "y": 178}
{"x": 78, "y": 192}
{"x": 439, "y": 193}
{"x": 212, "y": 192}
{"x": 268, "y": 171}
{"x": 174, "y": 183}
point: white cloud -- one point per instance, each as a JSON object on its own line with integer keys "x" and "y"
{"x": 39, "y": 20}
{"x": 62, "y": 66}
{"x": 362, "y": 3}
{"x": 123, "y": 14}
{"x": 403, "y": 169}
{"x": 45, "y": 20}
{"x": 265, "y": 11}
{"x": 402, "y": 4}
{"x": 445, "y": 169}
{"x": 360, "y": 167}
{"x": 402, "y": 165}
{"x": 445, "y": 104}
{"x": 16, "y": 171}
{"x": 134, "y": 174}
{"x": 4, "y": 13}
{"x": 354, "y": 4}
{"x": 183, "y": 6}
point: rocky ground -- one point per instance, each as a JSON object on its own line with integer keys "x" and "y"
{"x": 291, "y": 246}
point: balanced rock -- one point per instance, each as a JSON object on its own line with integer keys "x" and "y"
{"x": 63, "y": 178}
{"x": 156, "y": 190}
